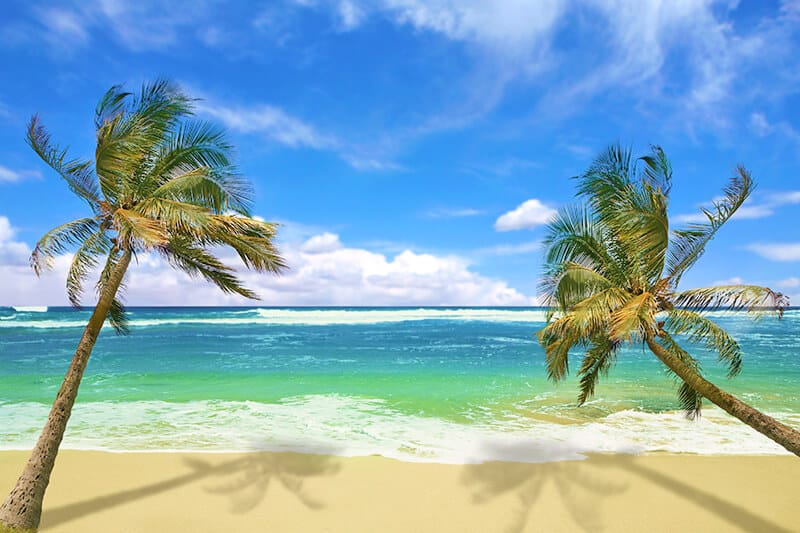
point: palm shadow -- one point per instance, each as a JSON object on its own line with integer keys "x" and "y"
{"x": 247, "y": 486}
{"x": 245, "y": 479}
{"x": 578, "y": 488}
{"x": 733, "y": 513}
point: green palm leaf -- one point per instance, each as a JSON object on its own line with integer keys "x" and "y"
{"x": 688, "y": 244}
{"x": 750, "y": 298}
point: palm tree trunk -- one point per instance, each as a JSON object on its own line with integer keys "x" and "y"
{"x": 23, "y": 507}
{"x": 781, "y": 433}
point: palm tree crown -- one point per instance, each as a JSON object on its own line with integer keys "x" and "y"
{"x": 613, "y": 270}
{"x": 160, "y": 183}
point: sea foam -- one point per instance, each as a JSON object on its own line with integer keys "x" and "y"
{"x": 363, "y": 426}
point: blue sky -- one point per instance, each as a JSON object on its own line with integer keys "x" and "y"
{"x": 412, "y": 149}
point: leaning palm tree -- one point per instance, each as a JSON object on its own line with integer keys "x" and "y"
{"x": 161, "y": 183}
{"x": 612, "y": 276}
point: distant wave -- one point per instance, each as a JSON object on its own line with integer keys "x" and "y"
{"x": 30, "y": 308}
{"x": 361, "y": 427}
{"x": 312, "y": 317}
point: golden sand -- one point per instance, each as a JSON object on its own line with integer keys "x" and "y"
{"x": 285, "y": 492}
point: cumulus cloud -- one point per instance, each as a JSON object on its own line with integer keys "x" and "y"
{"x": 787, "y": 251}
{"x": 527, "y": 215}
{"x": 12, "y": 253}
{"x": 323, "y": 271}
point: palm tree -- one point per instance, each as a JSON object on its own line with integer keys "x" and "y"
{"x": 160, "y": 183}
{"x": 612, "y": 275}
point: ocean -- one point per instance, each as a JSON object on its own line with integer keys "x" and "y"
{"x": 449, "y": 385}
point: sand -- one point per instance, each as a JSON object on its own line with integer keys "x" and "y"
{"x": 285, "y": 492}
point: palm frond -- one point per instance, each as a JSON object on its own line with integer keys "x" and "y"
{"x": 84, "y": 260}
{"x": 138, "y": 232}
{"x": 558, "y": 337}
{"x": 575, "y": 236}
{"x": 593, "y": 315}
{"x": 688, "y": 245}
{"x": 110, "y": 106}
{"x": 750, "y": 298}
{"x": 118, "y": 317}
{"x": 60, "y": 240}
{"x": 702, "y": 330}
{"x": 77, "y": 173}
{"x": 658, "y": 170}
{"x": 641, "y": 226}
{"x": 690, "y": 400}
{"x": 606, "y": 179}
{"x": 635, "y": 319}
{"x": 597, "y": 361}
{"x": 194, "y": 260}
{"x": 572, "y": 283}
{"x": 176, "y": 216}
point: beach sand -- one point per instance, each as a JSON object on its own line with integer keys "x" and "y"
{"x": 286, "y": 492}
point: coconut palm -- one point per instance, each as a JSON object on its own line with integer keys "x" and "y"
{"x": 612, "y": 276}
{"x": 160, "y": 183}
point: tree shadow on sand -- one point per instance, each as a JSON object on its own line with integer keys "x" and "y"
{"x": 578, "y": 487}
{"x": 582, "y": 485}
{"x": 733, "y": 513}
{"x": 247, "y": 486}
{"x": 245, "y": 479}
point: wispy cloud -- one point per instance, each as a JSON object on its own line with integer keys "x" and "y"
{"x": 763, "y": 127}
{"x": 281, "y": 127}
{"x": 271, "y": 122}
{"x": 511, "y": 249}
{"x": 8, "y": 175}
{"x": 786, "y": 251}
{"x": 788, "y": 283}
{"x": 528, "y": 215}
{"x": 453, "y": 212}
{"x": 751, "y": 209}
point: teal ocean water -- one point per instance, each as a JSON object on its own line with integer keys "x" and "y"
{"x": 419, "y": 384}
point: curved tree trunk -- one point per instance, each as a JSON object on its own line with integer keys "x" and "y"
{"x": 781, "y": 433}
{"x": 23, "y": 507}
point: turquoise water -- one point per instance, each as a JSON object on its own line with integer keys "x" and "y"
{"x": 443, "y": 384}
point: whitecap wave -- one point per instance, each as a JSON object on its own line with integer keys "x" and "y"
{"x": 362, "y": 426}
{"x": 314, "y": 317}
{"x": 30, "y": 308}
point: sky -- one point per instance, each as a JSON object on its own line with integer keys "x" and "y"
{"x": 414, "y": 150}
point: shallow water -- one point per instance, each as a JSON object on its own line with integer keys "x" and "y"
{"x": 446, "y": 385}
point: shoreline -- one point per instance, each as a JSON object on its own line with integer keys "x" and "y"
{"x": 94, "y": 491}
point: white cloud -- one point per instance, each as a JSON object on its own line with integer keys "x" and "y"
{"x": 283, "y": 128}
{"x": 8, "y": 175}
{"x": 527, "y": 215}
{"x": 788, "y": 283}
{"x": 512, "y": 249}
{"x": 736, "y": 280}
{"x": 323, "y": 271}
{"x": 760, "y": 124}
{"x": 270, "y": 121}
{"x": 323, "y": 243}
{"x": 749, "y": 210}
{"x": 12, "y": 253}
{"x": 453, "y": 212}
{"x": 789, "y": 251}
{"x": 509, "y": 26}
{"x": 785, "y": 198}
{"x": 64, "y": 26}
{"x": 350, "y": 14}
